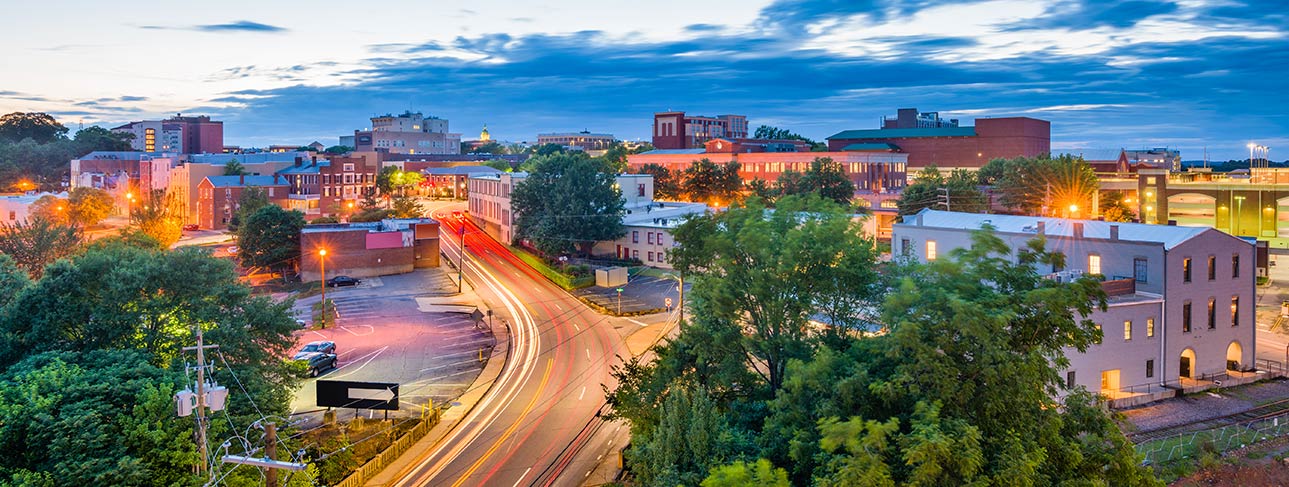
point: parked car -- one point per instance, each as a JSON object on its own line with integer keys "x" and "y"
{"x": 340, "y": 281}
{"x": 318, "y": 362}
{"x": 301, "y": 323}
{"x": 316, "y": 347}
{"x": 191, "y": 227}
{"x": 232, "y": 249}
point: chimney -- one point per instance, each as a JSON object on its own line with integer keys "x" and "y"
{"x": 299, "y": 161}
{"x": 1078, "y": 230}
{"x": 241, "y": 179}
{"x": 315, "y": 160}
{"x": 1114, "y": 233}
{"x": 275, "y": 176}
{"x": 1042, "y": 227}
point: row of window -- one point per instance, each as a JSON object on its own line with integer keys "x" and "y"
{"x": 1070, "y": 375}
{"x": 658, "y": 257}
{"x": 1212, "y": 268}
{"x": 653, "y": 238}
{"x": 1212, "y": 314}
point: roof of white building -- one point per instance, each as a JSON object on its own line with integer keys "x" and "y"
{"x": 1168, "y": 235}
{"x": 662, "y": 214}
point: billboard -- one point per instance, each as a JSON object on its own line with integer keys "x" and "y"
{"x": 358, "y": 395}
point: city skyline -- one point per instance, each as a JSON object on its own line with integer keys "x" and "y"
{"x": 1192, "y": 75}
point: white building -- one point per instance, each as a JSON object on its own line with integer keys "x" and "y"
{"x": 409, "y": 133}
{"x": 16, "y": 208}
{"x": 648, "y": 223}
{"x": 1181, "y": 300}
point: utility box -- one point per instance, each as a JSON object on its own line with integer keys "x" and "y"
{"x": 185, "y": 402}
{"x": 611, "y": 277}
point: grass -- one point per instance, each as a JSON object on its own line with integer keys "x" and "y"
{"x": 565, "y": 281}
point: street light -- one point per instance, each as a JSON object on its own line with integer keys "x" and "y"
{"x": 322, "y": 263}
{"x": 680, "y": 285}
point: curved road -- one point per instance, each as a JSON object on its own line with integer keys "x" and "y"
{"x": 539, "y": 423}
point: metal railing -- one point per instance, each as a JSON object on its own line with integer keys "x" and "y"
{"x": 1239, "y": 435}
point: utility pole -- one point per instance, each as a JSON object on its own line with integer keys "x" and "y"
{"x": 270, "y": 448}
{"x": 461, "y": 259}
{"x": 322, "y": 263}
{"x": 201, "y": 399}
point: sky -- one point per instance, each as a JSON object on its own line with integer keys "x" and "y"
{"x": 1204, "y": 76}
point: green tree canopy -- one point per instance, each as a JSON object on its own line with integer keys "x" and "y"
{"x": 336, "y": 150}
{"x": 159, "y": 215}
{"x": 94, "y": 138}
{"x": 1044, "y": 186}
{"x": 405, "y": 207}
{"x": 89, "y": 206}
{"x": 569, "y": 202}
{"x": 500, "y": 165}
{"x": 709, "y": 182}
{"x": 49, "y": 207}
{"x": 38, "y": 242}
{"x": 491, "y": 147}
{"x": 666, "y": 184}
{"x": 234, "y": 168}
{"x": 931, "y": 189}
{"x": 1115, "y": 209}
{"x": 39, "y": 127}
{"x": 270, "y": 238}
{"x": 825, "y": 177}
{"x": 249, "y": 201}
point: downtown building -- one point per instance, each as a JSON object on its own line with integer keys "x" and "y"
{"x": 408, "y": 133}
{"x": 583, "y": 140}
{"x": 676, "y": 130}
{"x": 1180, "y": 300}
{"x": 177, "y": 134}
{"x": 931, "y": 141}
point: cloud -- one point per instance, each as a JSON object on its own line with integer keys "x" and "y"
{"x": 240, "y": 26}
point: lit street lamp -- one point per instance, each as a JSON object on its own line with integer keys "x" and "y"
{"x": 322, "y": 264}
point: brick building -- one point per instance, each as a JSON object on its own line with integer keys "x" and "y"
{"x": 874, "y": 172}
{"x": 675, "y": 130}
{"x": 179, "y": 134}
{"x": 368, "y": 249}
{"x": 583, "y": 140}
{"x": 218, "y": 196}
{"x": 949, "y": 146}
{"x": 409, "y": 133}
{"x": 320, "y": 187}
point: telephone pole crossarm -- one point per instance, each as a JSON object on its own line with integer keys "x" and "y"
{"x": 263, "y": 462}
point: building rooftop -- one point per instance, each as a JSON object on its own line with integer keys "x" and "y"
{"x": 871, "y": 147}
{"x": 906, "y": 133}
{"x": 386, "y": 225}
{"x": 660, "y": 214}
{"x": 673, "y": 151}
{"x": 240, "y": 181}
{"x": 305, "y": 168}
{"x": 451, "y": 171}
{"x": 1169, "y": 236}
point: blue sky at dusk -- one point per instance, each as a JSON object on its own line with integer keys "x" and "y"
{"x": 1140, "y": 73}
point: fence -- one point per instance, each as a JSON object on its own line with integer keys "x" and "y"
{"x": 378, "y": 463}
{"x": 1187, "y": 445}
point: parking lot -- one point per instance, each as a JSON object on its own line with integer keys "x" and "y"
{"x": 383, "y": 335}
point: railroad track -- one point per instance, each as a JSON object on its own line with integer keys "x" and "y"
{"x": 1247, "y": 416}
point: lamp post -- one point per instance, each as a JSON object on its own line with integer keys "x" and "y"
{"x": 680, "y": 286}
{"x": 322, "y": 264}
{"x": 461, "y": 257}
{"x": 129, "y": 198}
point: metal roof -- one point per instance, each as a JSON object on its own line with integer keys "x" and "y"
{"x": 673, "y": 151}
{"x": 235, "y": 181}
{"x": 905, "y": 133}
{"x": 1169, "y": 236}
{"x": 871, "y": 147}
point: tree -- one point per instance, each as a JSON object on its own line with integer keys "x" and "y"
{"x": 371, "y": 215}
{"x": 49, "y": 207}
{"x": 931, "y": 187}
{"x": 740, "y": 474}
{"x": 666, "y": 184}
{"x": 37, "y": 242}
{"x": 387, "y": 179}
{"x": 250, "y": 201}
{"x": 616, "y": 155}
{"x": 89, "y": 206}
{"x": 270, "y": 238}
{"x": 500, "y": 165}
{"x": 405, "y": 207}
{"x": 336, "y": 150}
{"x": 710, "y": 182}
{"x": 825, "y": 177}
{"x": 1115, "y": 209}
{"x": 543, "y": 150}
{"x": 234, "y": 168}
{"x": 691, "y": 439}
{"x": 324, "y": 220}
{"x": 491, "y": 147}
{"x": 159, "y": 215}
{"x": 94, "y": 138}
{"x": 39, "y": 127}
{"x": 568, "y": 203}
{"x": 1046, "y": 186}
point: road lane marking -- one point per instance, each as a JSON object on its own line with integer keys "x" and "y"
{"x": 575, "y": 327}
{"x": 579, "y": 396}
{"x": 550, "y": 363}
{"x": 588, "y": 354}
{"x": 521, "y": 477}
{"x": 559, "y": 307}
{"x": 636, "y": 322}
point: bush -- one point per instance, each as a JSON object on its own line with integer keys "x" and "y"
{"x": 577, "y": 270}
{"x": 371, "y": 215}
{"x": 324, "y": 220}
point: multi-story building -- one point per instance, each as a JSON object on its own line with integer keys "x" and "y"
{"x": 1158, "y": 158}
{"x": 675, "y": 130}
{"x": 871, "y": 171}
{"x": 188, "y": 173}
{"x": 582, "y": 140}
{"x": 451, "y": 182}
{"x": 911, "y": 118}
{"x": 648, "y": 223}
{"x": 409, "y": 133}
{"x": 123, "y": 174}
{"x": 218, "y": 197}
{"x": 322, "y": 187}
{"x": 180, "y": 134}
{"x": 929, "y": 141}
{"x": 16, "y": 208}
{"x": 1180, "y": 313}
{"x": 391, "y": 246}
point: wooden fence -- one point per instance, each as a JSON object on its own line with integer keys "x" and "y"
{"x": 379, "y": 462}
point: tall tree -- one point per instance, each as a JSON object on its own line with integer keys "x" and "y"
{"x": 405, "y": 207}
{"x": 568, "y": 203}
{"x": 39, "y": 127}
{"x": 931, "y": 189}
{"x": 250, "y": 201}
{"x": 1044, "y": 186}
{"x": 491, "y": 147}
{"x": 38, "y": 242}
{"x": 710, "y": 182}
{"x": 94, "y": 138}
{"x": 825, "y": 177}
{"x": 159, "y": 215}
{"x": 270, "y": 238}
{"x": 89, "y": 206}
{"x": 336, "y": 150}
{"x": 500, "y": 165}
{"x": 234, "y": 168}
{"x": 666, "y": 184}
{"x": 49, "y": 207}
{"x": 1115, "y": 209}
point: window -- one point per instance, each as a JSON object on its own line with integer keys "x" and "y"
{"x": 650, "y": 256}
{"x": 660, "y": 234}
{"x": 1069, "y": 379}
{"x": 635, "y": 254}
{"x": 1150, "y": 327}
{"x": 1212, "y": 268}
{"x": 1127, "y": 330}
{"x": 1235, "y": 266}
{"x": 1186, "y": 317}
{"x": 1186, "y": 269}
{"x": 349, "y": 167}
{"x": 635, "y": 236}
{"x": 1212, "y": 313}
{"x": 662, "y": 257}
{"x": 905, "y": 248}
{"x": 1235, "y": 311}
{"x": 930, "y": 250}
{"x": 1139, "y": 269}
{"x": 1094, "y": 264}
{"x": 640, "y": 190}
{"x": 1099, "y": 334}
{"x": 650, "y": 235}
{"x": 1150, "y": 368}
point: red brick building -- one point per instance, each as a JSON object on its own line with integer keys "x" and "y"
{"x": 381, "y": 248}
{"x": 177, "y": 134}
{"x": 871, "y": 171}
{"x": 950, "y": 146}
{"x": 328, "y": 186}
{"x": 217, "y": 197}
{"x": 675, "y": 130}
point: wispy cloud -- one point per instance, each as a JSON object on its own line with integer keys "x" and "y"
{"x": 229, "y": 27}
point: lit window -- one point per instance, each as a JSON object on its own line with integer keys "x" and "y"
{"x": 1186, "y": 269}
{"x": 930, "y": 250}
{"x": 1099, "y": 333}
{"x": 1094, "y": 264}
{"x": 1235, "y": 311}
{"x": 1150, "y": 327}
{"x": 1127, "y": 330}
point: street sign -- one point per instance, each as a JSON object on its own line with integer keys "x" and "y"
{"x": 667, "y": 301}
{"x": 619, "y": 290}
{"x": 357, "y": 395}
{"x": 476, "y": 315}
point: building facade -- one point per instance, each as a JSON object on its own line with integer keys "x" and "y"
{"x": 911, "y": 118}
{"x": 329, "y": 187}
{"x": 17, "y": 208}
{"x": 409, "y": 133}
{"x": 218, "y": 197}
{"x": 369, "y": 249}
{"x": 180, "y": 134}
{"x": 872, "y": 172}
{"x": 1181, "y": 299}
{"x": 949, "y": 146}
{"x": 582, "y": 140}
{"x": 675, "y": 130}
